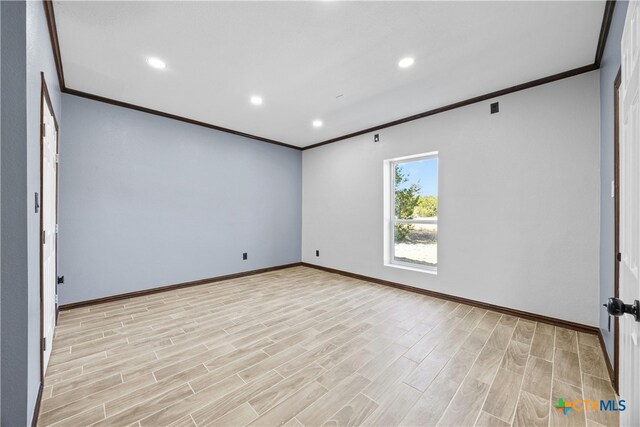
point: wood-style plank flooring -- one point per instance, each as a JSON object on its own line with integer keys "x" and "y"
{"x": 304, "y": 347}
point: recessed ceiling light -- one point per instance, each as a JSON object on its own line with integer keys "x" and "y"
{"x": 317, "y": 123}
{"x": 406, "y": 62}
{"x": 156, "y": 63}
{"x": 256, "y": 100}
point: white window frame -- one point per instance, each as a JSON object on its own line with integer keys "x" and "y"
{"x": 389, "y": 215}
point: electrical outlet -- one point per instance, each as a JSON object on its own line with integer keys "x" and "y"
{"x": 495, "y": 108}
{"x": 376, "y": 137}
{"x": 317, "y": 252}
{"x": 244, "y": 256}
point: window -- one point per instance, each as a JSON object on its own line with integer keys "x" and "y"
{"x": 411, "y": 223}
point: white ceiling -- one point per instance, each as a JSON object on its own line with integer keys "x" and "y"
{"x": 299, "y": 56}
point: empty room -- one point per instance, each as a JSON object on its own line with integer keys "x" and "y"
{"x": 320, "y": 213}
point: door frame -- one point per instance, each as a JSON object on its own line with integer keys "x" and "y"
{"x": 616, "y": 216}
{"x": 44, "y": 97}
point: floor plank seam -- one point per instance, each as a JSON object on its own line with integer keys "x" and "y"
{"x": 494, "y": 375}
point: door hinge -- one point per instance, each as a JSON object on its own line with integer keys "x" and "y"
{"x": 44, "y": 344}
{"x": 44, "y": 130}
{"x": 57, "y": 228}
{"x": 56, "y": 299}
{"x": 613, "y": 189}
{"x": 619, "y": 257}
{"x": 37, "y": 203}
{"x": 57, "y": 158}
{"x": 44, "y": 237}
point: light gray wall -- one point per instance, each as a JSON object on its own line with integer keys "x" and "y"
{"x": 608, "y": 70}
{"x": 14, "y": 269}
{"x": 519, "y": 200}
{"x": 147, "y": 201}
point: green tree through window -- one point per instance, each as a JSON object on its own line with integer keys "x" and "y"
{"x": 407, "y": 200}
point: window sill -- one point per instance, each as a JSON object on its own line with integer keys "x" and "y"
{"x": 428, "y": 270}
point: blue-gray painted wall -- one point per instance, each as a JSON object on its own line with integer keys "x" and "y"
{"x": 608, "y": 70}
{"x": 26, "y": 52}
{"x": 147, "y": 201}
{"x": 39, "y": 59}
{"x": 13, "y": 268}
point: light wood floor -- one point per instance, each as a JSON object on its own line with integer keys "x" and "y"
{"x": 304, "y": 347}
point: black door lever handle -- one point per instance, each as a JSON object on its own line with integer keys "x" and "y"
{"x": 616, "y": 307}
{"x": 608, "y": 319}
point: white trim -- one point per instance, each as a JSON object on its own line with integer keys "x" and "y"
{"x": 415, "y": 221}
{"x": 389, "y": 213}
{"x": 413, "y": 267}
{"x": 413, "y": 157}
